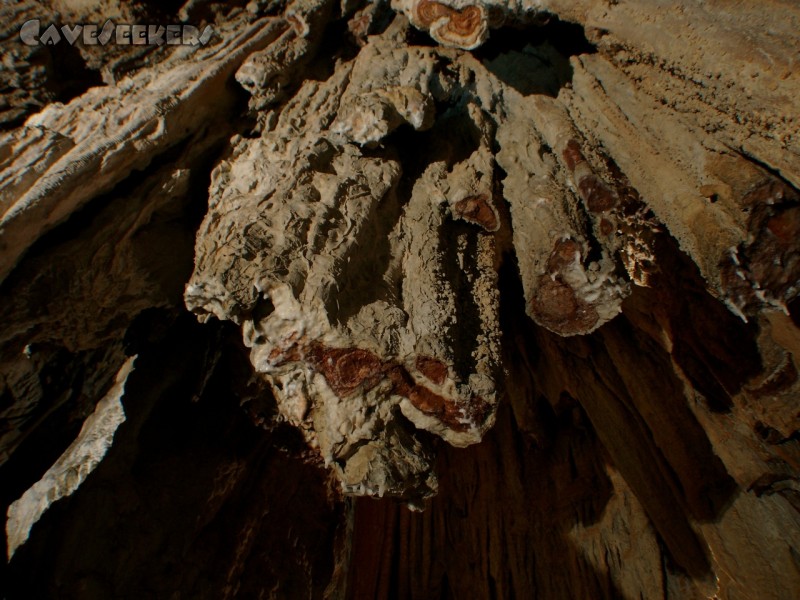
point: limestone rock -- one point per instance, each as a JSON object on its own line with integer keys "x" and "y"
{"x": 72, "y": 468}
{"x": 529, "y": 267}
{"x": 351, "y": 336}
{"x": 98, "y": 139}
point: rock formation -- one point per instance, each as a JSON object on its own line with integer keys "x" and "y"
{"x": 427, "y": 299}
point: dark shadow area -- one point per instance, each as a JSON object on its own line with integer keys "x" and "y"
{"x": 461, "y": 276}
{"x": 647, "y": 428}
{"x": 192, "y": 498}
{"x": 415, "y": 37}
{"x": 71, "y": 307}
{"x": 603, "y": 372}
{"x": 794, "y": 311}
{"x": 534, "y": 60}
{"x": 91, "y": 217}
{"x": 54, "y": 423}
{"x": 337, "y": 44}
{"x": 697, "y": 475}
{"x": 39, "y": 75}
{"x": 498, "y": 527}
{"x": 68, "y": 76}
{"x": 714, "y": 348}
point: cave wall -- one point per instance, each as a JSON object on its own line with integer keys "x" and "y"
{"x": 420, "y": 300}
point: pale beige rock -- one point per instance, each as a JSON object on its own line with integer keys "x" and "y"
{"x": 266, "y": 73}
{"x": 347, "y": 336}
{"x": 102, "y": 136}
{"x": 694, "y": 184}
{"x": 288, "y": 286}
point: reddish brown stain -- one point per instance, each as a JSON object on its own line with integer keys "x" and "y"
{"x": 478, "y": 410}
{"x": 437, "y": 406}
{"x": 563, "y": 255}
{"x": 280, "y": 356}
{"x": 555, "y": 306}
{"x": 466, "y": 21}
{"x": 606, "y": 227}
{"x": 461, "y": 22}
{"x": 428, "y": 12}
{"x": 786, "y": 226}
{"x": 427, "y": 401}
{"x": 289, "y": 352}
{"x": 555, "y": 301}
{"x": 345, "y": 369}
{"x": 476, "y": 209}
{"x": 348, "y": 369}
{"x": 594, "y": 192}
{"x": 572, "y": 154}
{"x": 296, "y": 23}
{"x": 432, "y": 404}
{"x": 769, "y": 262}
{"x": 769, "y": 192}
{"x": 432, "y": 368}
{"x": 401, "y": 380}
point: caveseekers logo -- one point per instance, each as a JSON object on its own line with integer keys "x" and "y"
{"x": 33, "y": 34}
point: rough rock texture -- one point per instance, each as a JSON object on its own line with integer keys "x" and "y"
{"x": 530, "y": 267}
{"x": 352, "y": 336}
{"x": 72, "y": 467}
